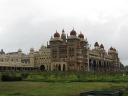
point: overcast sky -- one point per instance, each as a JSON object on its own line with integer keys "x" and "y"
{"x": 30, "y": 23}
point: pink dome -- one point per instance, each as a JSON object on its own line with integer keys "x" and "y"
{"x": 73, "y": 32}
{"x": 56, "y": 34}
{"x": 81, "y": 35}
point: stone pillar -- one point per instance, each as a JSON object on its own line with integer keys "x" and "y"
{"x": 97, "y": 65}
{"x": 88, "y": 61}
{"x": 61, "y": 65}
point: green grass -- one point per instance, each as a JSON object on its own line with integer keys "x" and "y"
{"x": 68, "y": 76}
{"x": 25, "y": 88}
{"x": 76, "y": 77}
{"x": 61, "y": 83}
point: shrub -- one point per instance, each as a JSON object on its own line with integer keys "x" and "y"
{"x": 10, "y": 77}
{"x": 24, "y": 75}
{"x": 52, "y": 78}
{"x": 72, "y": 78}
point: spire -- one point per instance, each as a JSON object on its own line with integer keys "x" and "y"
{"x": 96, "y": 44}
{"x": 63, "y": 31}
{"x": 2, "y": 51}
{"x": 51, "y": 37}
{"x": 73, "y": 32}
{"x": 102, "y": 46}
{"x": 63, "y": 36}
{"x": 56, "y": 30}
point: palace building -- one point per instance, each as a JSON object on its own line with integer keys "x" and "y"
{"x": 63, "y": 53}
{"x": 74, "y": 51}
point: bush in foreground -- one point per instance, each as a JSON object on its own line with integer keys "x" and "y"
{"x": 10, "y": 77}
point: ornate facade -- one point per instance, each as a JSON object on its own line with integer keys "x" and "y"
{"x": 63, "y": 53}
{"x": 74, "y": 50}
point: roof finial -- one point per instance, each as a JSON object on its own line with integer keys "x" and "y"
{"x": 51, "y": 37}
{"x": 63, "y": 30}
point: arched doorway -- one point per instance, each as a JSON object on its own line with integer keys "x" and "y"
{"x": 59, "y": 68}
{"x": 100, "y": 64}
{"x": 42, "y": 67}
{"x": 90, "y": 64}
{"x": 94, "y": 65}
{"x": 64, "y": 67}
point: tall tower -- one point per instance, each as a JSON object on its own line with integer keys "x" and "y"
{"x": 84, "y": 52}
{"x": 63, "y": 36}
{"x": 31, "y": 56}
{"x": 54, "y": 45}
{"x": 19, "y": 55}
{"x": 73, "y": 44}
{"x": 114, "y": 55}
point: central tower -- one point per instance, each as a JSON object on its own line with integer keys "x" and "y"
{"x": 71, "y": 50}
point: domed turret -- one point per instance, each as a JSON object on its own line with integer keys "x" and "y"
{"x": 114, "y": 49}
{"x": 56, "y": 37}
{"x": 56, "y": 34}
{"x": 73, "y": 32}
{"x": 111, "y": 48}
{"x": 113, "y": 52}
{"x": 63, "y": 31}
{"x": 19, "y": 50}
{"x": 2, "y": 51}
{"x": 96, "y": 44}
{"x": 81, "y": 35}
{"x": 42, "y": 47}
{"x": 102, "y": 46}
{"x": 32, "y": 50}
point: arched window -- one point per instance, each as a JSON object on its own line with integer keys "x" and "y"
{"x": 100, "y": 65}
{"x": 42, "y": 67}
{"x": 94, "y": 63}
{"x": 59, "y": 67}
{"x": 64, "y": 67}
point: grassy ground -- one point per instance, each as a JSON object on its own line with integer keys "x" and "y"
{"x": 66, "y": 76}
{"x": 24, "y": 88}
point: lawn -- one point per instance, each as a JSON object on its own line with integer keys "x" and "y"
{"x": 27, "y": 88}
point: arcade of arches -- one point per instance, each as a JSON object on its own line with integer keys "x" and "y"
{"x": 59, "y": 66}
{"x": 54, "y": 67}
{"x": 100, "y": 65}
